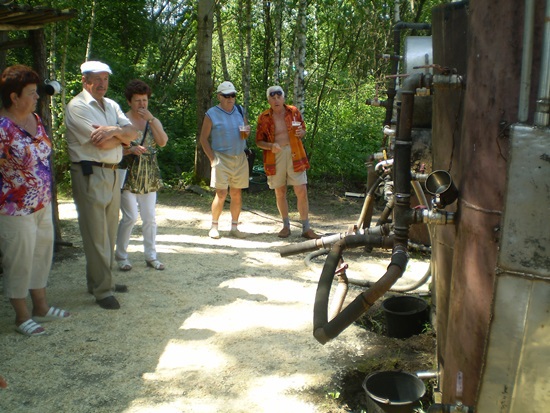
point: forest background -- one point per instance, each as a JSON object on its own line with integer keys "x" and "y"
{"x": 330, "y": 56}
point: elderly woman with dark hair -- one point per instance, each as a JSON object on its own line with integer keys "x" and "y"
{"x": 142, "y": 177}
{"x": 26, "y": 226}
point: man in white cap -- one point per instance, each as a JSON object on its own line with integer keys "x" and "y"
{"x": 227, "y": 157}
{"x": 97, "y": 129}
{"x": 279, "y": 133}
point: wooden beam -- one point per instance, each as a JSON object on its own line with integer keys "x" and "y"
{"x": 12, "y": 44}
{"x": 12, "y": 27}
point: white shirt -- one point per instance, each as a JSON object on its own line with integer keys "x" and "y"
{"x": 82, "y": 112}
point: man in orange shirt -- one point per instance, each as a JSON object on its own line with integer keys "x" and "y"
{"x": 279, "y": 133}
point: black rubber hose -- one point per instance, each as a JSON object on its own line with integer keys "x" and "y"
{"x": 356, "y": 308}
{"x": 324, "y": 330}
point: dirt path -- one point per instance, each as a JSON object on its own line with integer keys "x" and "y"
{"x": 225, "y": 328}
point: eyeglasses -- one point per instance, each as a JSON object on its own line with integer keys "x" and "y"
{"x": 278, "y": 93}
{"x": 231, "y": 95}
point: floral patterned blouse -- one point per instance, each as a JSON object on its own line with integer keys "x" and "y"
{"x": 25, "y": 169}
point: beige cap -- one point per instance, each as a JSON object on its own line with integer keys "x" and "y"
{"x": 226, "y": 87}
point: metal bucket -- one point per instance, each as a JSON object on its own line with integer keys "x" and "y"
{"x": 405, "y": 315}
{"x": 393, "y": 392}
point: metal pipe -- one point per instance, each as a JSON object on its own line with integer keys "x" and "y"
{"x": 437, "y": 217}
{"x": 325, "y": 330}
{"x": 427, "y": 374}
{"x": 542, "y": 115}
{"x": 402, "y": 170}
{"x": 365, "y": 217}
{"x": 450, "y": 408}
{"x": 386, "y": 212}
{"x": 379, "y": 165}
{"x": 371, "y": 175}
{"x": 526, "y": 60}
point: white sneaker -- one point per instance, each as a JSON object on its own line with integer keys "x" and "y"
{"x": 213, "y": 233}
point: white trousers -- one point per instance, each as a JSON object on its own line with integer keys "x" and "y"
{"x": 130, "y": 205}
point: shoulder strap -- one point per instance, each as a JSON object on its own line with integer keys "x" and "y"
{"x": 240, "y": 109}
{"x": 144, "y": 133}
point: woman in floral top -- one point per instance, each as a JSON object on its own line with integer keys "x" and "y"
{"x": 26, "y": 227}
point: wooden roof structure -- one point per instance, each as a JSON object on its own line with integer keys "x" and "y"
{"x": 24, "y": 17}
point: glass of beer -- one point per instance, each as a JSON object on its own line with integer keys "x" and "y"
{"x": 244, "y": 131}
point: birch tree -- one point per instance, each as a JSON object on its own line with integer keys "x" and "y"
{"x": 277, "y": 47}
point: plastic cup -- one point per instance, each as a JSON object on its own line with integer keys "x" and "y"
{"x": 244, "y": 130}
{"x": 295, "y": 125}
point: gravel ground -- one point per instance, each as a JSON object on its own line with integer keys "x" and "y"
{"x": 227, "y": 327}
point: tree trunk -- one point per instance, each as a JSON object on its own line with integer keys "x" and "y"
{"x": 278, "y": 13}
{"x": 90, "y": 33}
{"x": 204, "y": 80}
{"x": 247, "y": 51}
{"x": 38, "y": 44}
{"x": 221, "y": 42}
{"x": 268, "y": 43}
{"x": 299, "y": 95}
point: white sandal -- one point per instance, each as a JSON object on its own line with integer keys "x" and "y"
{"x": 53, "y": 313}
{"x": 156, "y": 264}
{"x": 124, "y": 265}
{"x": 30, "y": 329}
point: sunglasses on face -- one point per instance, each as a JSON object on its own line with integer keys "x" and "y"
{"x": 231, "y": 95}
{"x": 278, "y": 93}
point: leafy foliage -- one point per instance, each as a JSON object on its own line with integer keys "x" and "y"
{"x": 155, "y": 40}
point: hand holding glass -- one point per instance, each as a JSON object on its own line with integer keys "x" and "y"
{"x": 295, "y": 126}
{"x": 244, "y": 131}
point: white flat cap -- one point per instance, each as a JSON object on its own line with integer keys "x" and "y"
{"x": 94, "y": 66}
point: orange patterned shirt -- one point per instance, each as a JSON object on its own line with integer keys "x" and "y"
{"x": 265, "y": 131}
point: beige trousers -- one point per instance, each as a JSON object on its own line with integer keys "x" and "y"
{"x": 97, "y": 199}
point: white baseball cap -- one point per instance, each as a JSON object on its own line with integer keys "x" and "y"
{"x": 226, "y": 87}
{"x": 93, "y": 66}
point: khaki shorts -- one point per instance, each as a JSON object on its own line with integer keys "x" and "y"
{"x": 27, "y": 250}
{"x": 284, "y": 171}
{"x": 229, "y": 171}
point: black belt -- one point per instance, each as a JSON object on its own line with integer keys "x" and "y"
{"x": 112, "y": 166}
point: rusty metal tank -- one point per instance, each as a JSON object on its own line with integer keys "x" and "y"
{"x": 492, "y": 279}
